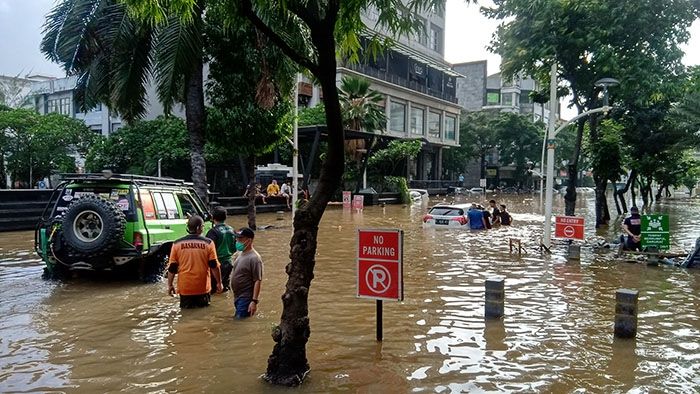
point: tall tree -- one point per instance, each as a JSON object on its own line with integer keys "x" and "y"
{"x": 593, "y": 39}
{"x": 115, "y": 55}
{"x": 250, "y": 92}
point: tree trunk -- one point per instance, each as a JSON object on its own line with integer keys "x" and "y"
{"x": 601, "y": 203}
{"x": 252, "y": 192}
{"x": 570, "y": 197}
{"x": 195, "y": 117}
{"x": 287, "y": 365}
{"x": 621, "y": 193}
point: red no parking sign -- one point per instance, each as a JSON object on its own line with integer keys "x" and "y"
{"x": 380, "y": 264}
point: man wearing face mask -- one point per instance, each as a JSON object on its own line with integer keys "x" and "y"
{"x": 246, "y": 277}
{"x": 193, "y": 259}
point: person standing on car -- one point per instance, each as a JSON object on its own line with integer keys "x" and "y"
{"x": 246, "y": 277}
{"x": 225, "y": 242}
{"x": 476, "y": 218}
{"x": 632, "y": 226}
{"x": 193, "y": 259}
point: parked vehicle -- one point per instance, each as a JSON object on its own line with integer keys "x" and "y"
{"x": 108, "y": 221}
{"x": 447, "y": 216}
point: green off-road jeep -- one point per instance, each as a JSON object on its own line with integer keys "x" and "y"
{"x": 114, "y": 222}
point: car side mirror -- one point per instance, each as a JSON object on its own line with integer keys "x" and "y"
{"x": 207, "y": 216}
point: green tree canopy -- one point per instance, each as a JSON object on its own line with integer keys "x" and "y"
{"x": 127, "y": 151}
{"x": 36, "y": 145}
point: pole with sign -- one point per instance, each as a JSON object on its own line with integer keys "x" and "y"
{"x": 380, "y": 267}
{"x": 569, "y": 227}
{"x": 655, "y": 232}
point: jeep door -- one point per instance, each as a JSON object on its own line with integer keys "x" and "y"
{"x": 163, "y": 220}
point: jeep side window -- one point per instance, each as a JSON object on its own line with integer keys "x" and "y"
{"x": 186, "y": 204}
{"x": 170, "y": 206}
{"x": 160, "y": 206}
{"x": 149, "y": 210}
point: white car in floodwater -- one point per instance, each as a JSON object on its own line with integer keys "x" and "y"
{"x": 447, "y": 216}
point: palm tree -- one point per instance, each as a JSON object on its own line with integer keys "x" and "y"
{"x": 362, "y": 111}
{"x": 115, "y": 56}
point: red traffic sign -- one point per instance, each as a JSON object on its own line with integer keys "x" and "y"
{"x": 380, "y": 264}
{"x": 569, "y": 227}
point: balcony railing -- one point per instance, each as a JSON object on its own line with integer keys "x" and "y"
{"x": 396, "y": 80}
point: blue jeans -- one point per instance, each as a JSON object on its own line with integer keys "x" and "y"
{"x": 241, "y": 304}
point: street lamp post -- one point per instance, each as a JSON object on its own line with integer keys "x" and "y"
{"x": 550, "y": 144}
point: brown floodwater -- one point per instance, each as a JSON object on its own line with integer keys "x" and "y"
{"x": 99, "y": 335}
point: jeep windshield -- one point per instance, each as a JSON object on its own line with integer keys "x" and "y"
{"x": 120, "y": 195}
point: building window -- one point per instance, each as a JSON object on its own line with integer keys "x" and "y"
{"x": 434, "y": 124}
{"x": 435, "y": 38}
{"x": 492, "y": 98}
{"x": 508, "y": 99}
{"x": 116, "y": 126}
{"x": 397, "y": 117}
{"x": 450, "y": 124}
{"x": 96, "y": 128}
{"x": 422, "y": 33}
{"x": 417, "y": 115}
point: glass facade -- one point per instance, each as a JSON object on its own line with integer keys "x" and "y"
{"x": 397, "y": 117}
{"x": 434, "y": 124}
{"x": 450, "y": 127}
{"x": 417, "y": 115}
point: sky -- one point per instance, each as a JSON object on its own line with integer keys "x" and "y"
{"x": 467, "y": 34}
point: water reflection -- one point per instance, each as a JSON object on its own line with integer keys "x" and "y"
{"x": 556, "y": 335}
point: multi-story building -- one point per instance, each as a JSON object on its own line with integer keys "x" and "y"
{"x": 58, "y": 95}
{"x": 15, "y": 91}
{"x": 419, "y": 90}
{"x": 478, "y": 91}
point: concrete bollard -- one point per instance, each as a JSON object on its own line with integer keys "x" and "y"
{"x": 626, "y": 313}
{"x": 495, "y": 296}
{"x": 575, "y": 252}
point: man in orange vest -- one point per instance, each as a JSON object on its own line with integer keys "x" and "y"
{"x": 193, "y": 259}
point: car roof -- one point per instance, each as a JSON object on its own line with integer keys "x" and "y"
{"x": 458, "y": 206}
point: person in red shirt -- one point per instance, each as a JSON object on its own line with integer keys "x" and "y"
{"x": 193, "y": 260}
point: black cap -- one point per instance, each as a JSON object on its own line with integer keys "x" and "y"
{"x": 245, "y": 232}
{"x": 634, "y": 210}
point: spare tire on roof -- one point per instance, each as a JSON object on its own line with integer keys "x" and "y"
{"x": 93, "y": 225}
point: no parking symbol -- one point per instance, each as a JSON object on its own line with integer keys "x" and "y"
{"x": 379, "y": 264}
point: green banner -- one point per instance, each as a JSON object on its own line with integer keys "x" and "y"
{"x": 656, "y": 232}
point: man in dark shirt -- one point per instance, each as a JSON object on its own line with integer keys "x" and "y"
{"x": 246, "y": 277}
{"x": 632, "y": 226}
{"x": 224, "y": 239}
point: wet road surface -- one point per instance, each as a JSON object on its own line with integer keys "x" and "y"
{"x": 100, "y": 335}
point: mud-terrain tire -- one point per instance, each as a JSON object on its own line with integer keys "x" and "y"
{"x": 93, "y": 226}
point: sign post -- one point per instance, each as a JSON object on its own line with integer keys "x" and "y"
{"x": 655, "y": 232}
{"x": 380, "y": 267}
{"x": 569, "y": 227}
{"x": 358, "y": 202}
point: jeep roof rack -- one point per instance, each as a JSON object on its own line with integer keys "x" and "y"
{"x": 138, "y": 179}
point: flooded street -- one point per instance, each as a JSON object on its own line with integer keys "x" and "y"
{"x": 90, "y": 335}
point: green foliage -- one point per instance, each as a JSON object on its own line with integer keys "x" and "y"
{"x": 249, "y": 88}
{"x": 312, "y": 116}
{"x": 517, "y": 139}
{"x": 36, "y": 144}
{"x": 400, "y": 184}
{"x": 607, "y": 152}
{"x": 136, "y": 148}
{"x": 360, "y": 105}
{"x": 386, "y": 160}
{"x": 114, "y": 53}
